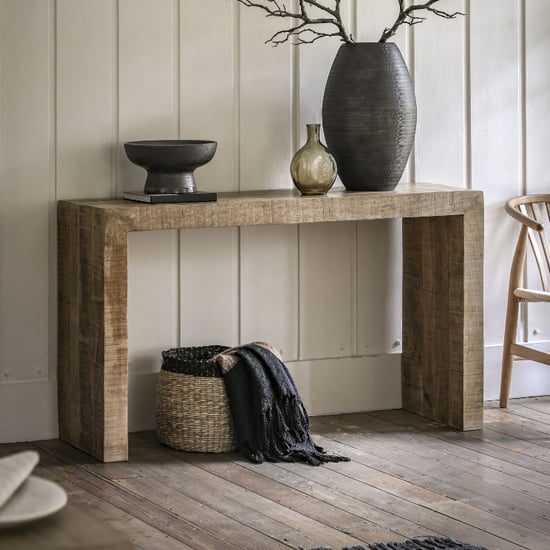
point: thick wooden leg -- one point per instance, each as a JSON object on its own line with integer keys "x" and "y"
{"x": 93, "y": 340}
{"x": 442, "y": 310}
{"x": 442, "y": 361}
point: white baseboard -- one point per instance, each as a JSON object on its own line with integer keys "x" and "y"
{"x": 327, "y": 386}
{"x": 354, "y": 384}
{"x": 529, "y": 379}
{"x": 28, "y": 410}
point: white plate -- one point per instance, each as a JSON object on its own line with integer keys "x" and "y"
{"x": 36, "y": 498}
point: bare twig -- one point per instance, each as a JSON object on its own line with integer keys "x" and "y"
{"x": 306, "y": 30}
{"x": 407, "y": 16}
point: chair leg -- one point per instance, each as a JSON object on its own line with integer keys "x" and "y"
{"x": 510, "y": 331}
{"x": 506, "y": 377}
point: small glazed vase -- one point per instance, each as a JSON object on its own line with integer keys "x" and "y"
{"x": 313, "y": 168}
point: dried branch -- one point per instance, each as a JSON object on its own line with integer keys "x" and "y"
{"x": 305, "y": 31}
{"x": 407, "y": 16}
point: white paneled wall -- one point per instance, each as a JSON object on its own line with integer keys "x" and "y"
{"x": 537, "y": 131}
{"x": 79, "y": 78}
{"x": 496, "y": 139}
{"x": 440, "y": 76}
{"x": 27, "y": 192}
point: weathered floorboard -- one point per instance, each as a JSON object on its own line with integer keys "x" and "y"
{"x": 408, "y": 476}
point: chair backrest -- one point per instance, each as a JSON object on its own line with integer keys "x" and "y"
{"x": 533, "y": 211}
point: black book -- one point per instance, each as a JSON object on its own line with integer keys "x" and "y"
{"x": 156, "y": 198}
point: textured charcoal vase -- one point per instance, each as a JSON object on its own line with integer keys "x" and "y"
{"x": 369, "y": 115}
{"x": 313, "y": 168}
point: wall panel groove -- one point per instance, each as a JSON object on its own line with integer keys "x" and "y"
{"x": 52, "y": 175}
{"x": 85, "y": 98}
{"x": 209, "y": 262}
{"x": 149, "y": 109}
{"x": 523, "y": 95}
{"x": 26, "y": 189}
{"x": 496, "y": 144}
{"x": 467, "y": 98}
{"x": 537, "y": 135}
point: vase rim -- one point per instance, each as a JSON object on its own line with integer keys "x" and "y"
{"x": 370, "y": 43}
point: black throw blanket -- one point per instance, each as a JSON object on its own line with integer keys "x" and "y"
{"x": 270, "y": 420}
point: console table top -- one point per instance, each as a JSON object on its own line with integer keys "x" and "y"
{"x": 286, "y": 206}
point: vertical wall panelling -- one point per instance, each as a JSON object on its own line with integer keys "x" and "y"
{"x": 209, "y": 282}
{"x": 496, "y": 141}
{"x": 148, "y": 94}
{"x": 152, "y": 298}
{"x": 86, "y": 98}
{"x": 379, "y": 267}
{"x": 207, "y": 87}
{"x": 265, "y": 103}
{"x": 537, "y": 55}
{"x": 373, "y": 16}
{"x": 537, "y": 85}
{"x": 327, "y": 290}
{"x": 271, "y": 270}
{"x": 266, "y": 138}
{"x": 314, "y": 62}
{"x": 27, "y": 186}
{"x": 52, "y": 274}
{"x": 379, "y": 243}
{"x": 439, "y": 84}
{"x": 148, "y": 110}
{"x": 327, "y": 253}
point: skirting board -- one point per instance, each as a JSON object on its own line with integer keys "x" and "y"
{"x": 334, "y": 386}
{"x": 346, "y": 385}
{"x": 327, "y": 386}
{"x": 529, "y": 379}
{"x": 28, "y": 409}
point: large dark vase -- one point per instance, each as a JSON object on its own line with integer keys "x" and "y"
{"x": 369, "y": 115}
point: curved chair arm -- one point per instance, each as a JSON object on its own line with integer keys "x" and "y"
{"x": 511, "y": 209}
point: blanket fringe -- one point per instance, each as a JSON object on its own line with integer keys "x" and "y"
{"x": 271, "y": 422}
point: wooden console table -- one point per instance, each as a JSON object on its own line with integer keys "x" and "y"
{"x": 442, "y": 359}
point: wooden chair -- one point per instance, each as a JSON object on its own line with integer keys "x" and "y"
{"x": 533, "y": 212}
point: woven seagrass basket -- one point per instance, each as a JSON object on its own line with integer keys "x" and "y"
{"x": 192, "y": 407}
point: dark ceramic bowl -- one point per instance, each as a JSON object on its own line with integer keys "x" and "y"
{"x": 170, "y": 163}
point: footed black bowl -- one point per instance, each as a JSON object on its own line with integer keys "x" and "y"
{"x": 170, "y": 163}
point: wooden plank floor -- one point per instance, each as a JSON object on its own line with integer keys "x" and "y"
{"x": 407, "y": 477}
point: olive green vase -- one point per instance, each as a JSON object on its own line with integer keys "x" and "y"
{"x": 313, "y": 168}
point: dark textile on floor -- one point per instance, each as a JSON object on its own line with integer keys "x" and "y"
{"x": 427, "y": 543}
{"x": 270, "y": 420}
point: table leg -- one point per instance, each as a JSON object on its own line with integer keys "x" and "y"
{"x": 442, "y": 361}
{"x": 93, "y": 333}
